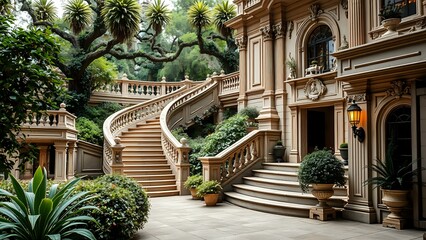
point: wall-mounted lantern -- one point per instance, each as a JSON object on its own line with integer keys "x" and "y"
{"x": 354, "y": 116}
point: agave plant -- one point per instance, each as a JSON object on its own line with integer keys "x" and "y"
{"x": 45, "y": 10}
{"x": 158, "y": 15}
{"x": 78, "y": 14}
{"x": 223, "y": 12}
{"x": 122, "y": 17}
{"x": 36, "y": 215}
{"x": 199, "y": 15}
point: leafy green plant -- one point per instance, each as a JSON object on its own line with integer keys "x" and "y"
{"x": 158, "y": 15}
{"x": 193, "y": 181}
{"x": 123, "y": 207}
{"x": 320, "y": 166}
{"x": 250, "y": 112}
{"x": 89, "y": 131}
{"x": 78, "y": 15}
{"x": 343, "y": 145}
{"x": 209, "y": 187}
{"x": 391, "y": 10}
{"x": 34, "y": 214}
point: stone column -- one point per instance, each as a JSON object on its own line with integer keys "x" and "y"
{"x": 242, "y": 46}
{"x": 72, "y": 158}
{"x": 61, "y": 161}
{"x": 356, "y": 19}
{"x": 360, "y": 206}
{"x": 43, "y": 156}
{"x": 279, "y": 60}
{"x": 294, "y": 124}
{"x": 268, "y": 118}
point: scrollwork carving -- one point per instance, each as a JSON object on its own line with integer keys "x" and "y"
{"x": 314, "y": 89}
{"x": 398, "y": 88}
{"x": 290, "y": 29}
{"x": 315, "y": 11}
{"x": 279, "y": 30}
{"x": 266, "y": 32}
{"x": 362, "y": 97}
{"x": 241, "y": 42}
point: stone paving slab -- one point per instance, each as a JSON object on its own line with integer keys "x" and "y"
{"x": 180, "y": 217}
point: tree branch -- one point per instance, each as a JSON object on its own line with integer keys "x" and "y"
{"x": 66, "y": 36}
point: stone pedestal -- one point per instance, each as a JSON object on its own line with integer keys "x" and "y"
{"x": 397, "y": 223}
{"x": 322, "y": 214}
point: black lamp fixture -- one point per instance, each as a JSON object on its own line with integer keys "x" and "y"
{"x": 354, "y": 116}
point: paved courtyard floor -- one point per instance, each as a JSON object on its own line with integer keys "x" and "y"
{"x": 182, "y": 218}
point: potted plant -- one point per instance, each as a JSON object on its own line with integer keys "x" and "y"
{"x": 343, "y": 148}
{"x": 322, "y": 170}
{"x": 292, "y": 66}
{"x": 391, "y": 16}
{"x": 209, "y": 190}
{"x": 191, "y": 183}
{"x": 278, "y": 151}
{"x": 395, "y": 180}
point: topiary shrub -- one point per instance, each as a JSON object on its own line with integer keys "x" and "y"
{"x": 123, "y": 206}
{"x": 250, "y": 112}
{"x": 89, "y": 131}
{"x": 320, "y": 166}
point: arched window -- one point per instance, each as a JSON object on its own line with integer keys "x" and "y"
{"x": 398, "y": 134}
{"x": 320, "y": 46}
{"x": 408, "y": 7}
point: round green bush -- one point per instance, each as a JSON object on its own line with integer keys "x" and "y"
{"x": 89, "y": 131}
{"x": 122, "y": 203}
{"x": 320, "y": 166}
{"x": 193, "y": 181}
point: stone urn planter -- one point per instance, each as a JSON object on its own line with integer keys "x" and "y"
{"x": 322, "y": 192}
{"x": 278, "y": 151}
{"x": 396, "y": 201}
{"x": 344, "y": 153}
{"x": 391, "y": 24}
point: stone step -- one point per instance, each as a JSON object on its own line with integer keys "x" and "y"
{"x": 146, "y": 172}
{"x": 273, "y": 174}
{"x": 145, "y": 166}
{"x": 158, "y": 188}
{"x": 151, "y": 177}
{"x": 265, "y": 205}
{"x": 286, "y": 167}
{"x": 142, "y": 130}
{"x": 144, "y": 162}
{"x": 157, "y": 182}
{"x": 155, "y": 153}
{"x": 291, "y": 186}
{"x": 142, "y": 143}
{"x": 286, "y": 196}
{"x": 163, "y": 193}
{"x": 143, "y": 147}
{"x": 143, "y": 158}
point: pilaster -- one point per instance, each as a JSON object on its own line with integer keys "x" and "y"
{"x": 43, "y": 156}
{"x": 242, "y": 46}
{"x": 294, "y": 150}
{"x": 356, "y": 19}
{"x": 72, "y": 159}
{"x": 61, "y": 161}
{"x": 360, "y": 206}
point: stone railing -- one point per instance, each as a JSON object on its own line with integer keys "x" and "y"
{"x": 133, "y": 91}
{"x": 51, "y": 119}
{"x": 179, "y": 112}
{"x": 124, "y": 119}
{"x": 250, "y": 3}
{"x": 239, "y": 159}
{"x": 229, "y": 83}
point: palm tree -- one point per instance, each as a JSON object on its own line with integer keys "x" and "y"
{"x": 122, "y": 18}
{"x": 78, "y": 14}
{"x": 45, "y": 10}
{"x": 158, "y": 15}
{"x": 199, "y": 15}
{"x": 223, "y": 12}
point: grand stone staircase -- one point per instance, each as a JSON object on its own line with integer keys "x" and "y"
{"x": 275, "y": 189}
{"x": 144, "y": 160}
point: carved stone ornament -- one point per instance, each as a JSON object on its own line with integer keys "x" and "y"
{"x": 314, "y": 89}
{"x": 279, "y": 30}
{"x": 344, "y": 4}
{"x": 315, "y": 11}
{"x": 357, "y": 98}
{"x": 398, "y": 88}
{"x": 241, "y": 42}
{"x": 290, "y": 28}
{"x": 266, "y": 32}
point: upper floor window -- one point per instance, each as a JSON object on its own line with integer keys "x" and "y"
{"x": 320, "y": 46}
{"x": 408, "y": 7}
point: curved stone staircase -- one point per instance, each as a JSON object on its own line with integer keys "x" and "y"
{"x": 275, "y": 189}
{"x": 144, "y": 160}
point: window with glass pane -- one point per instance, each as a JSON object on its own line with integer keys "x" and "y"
{"x": 320, "y": 46}
{"x": 408, "y": 7}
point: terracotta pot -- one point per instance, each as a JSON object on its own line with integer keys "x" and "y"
{"x": 322, "y": 191}
{"x": 194, "y": 193}
{"x": 395, "y": 200}
{"x": 211, "y": 199}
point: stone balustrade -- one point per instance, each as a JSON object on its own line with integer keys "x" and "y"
{"x": 250, "y": 3}
{"x": 229, "y": 83}
{"x": 240, "y": 157}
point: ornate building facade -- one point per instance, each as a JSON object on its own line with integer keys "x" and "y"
{"x": 303, "y": 62}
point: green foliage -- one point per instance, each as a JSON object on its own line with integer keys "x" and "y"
{"x": 100, "y": 112}
{"x": 5, "y": 7}
{"x": 158, "y": 15}
{"x": 199, "y": 15}
{"x": 28, "y": 82}
{"x": 193, "y": 181}
{"x": 123, "y": 207}
{"x": 320, "y": 166}
{"x": 391, "y": 10}
{"x": 78, "y": 14}
{"x": 45, "y": 10}
{"x": 208, "y": 187}
{"x": 343, "y": 145}
{"x": 223, "y": 12}
{"x": 101, "y": 72}
{"x": 36, "y": 213}
{"x": 250, "y": 112}
{"x": 122, "y": 17}
{"x": 89, "y": 131}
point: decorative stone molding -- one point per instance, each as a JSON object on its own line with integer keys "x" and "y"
{"x": 290, "y": 28}
{"x": 266, "y": 32}
{"x": 279, "y": 30}
{"x": 314, "y": 89}
{"x": 344, "y": 4}
{"x": 315, "y": 11}
{"x": 241, "y": 42}
{"x": 362, "y": 97}
{"x": 421, "y": 23}
{"x": 398, "y": 88}
{"x": 344, "y": 44}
